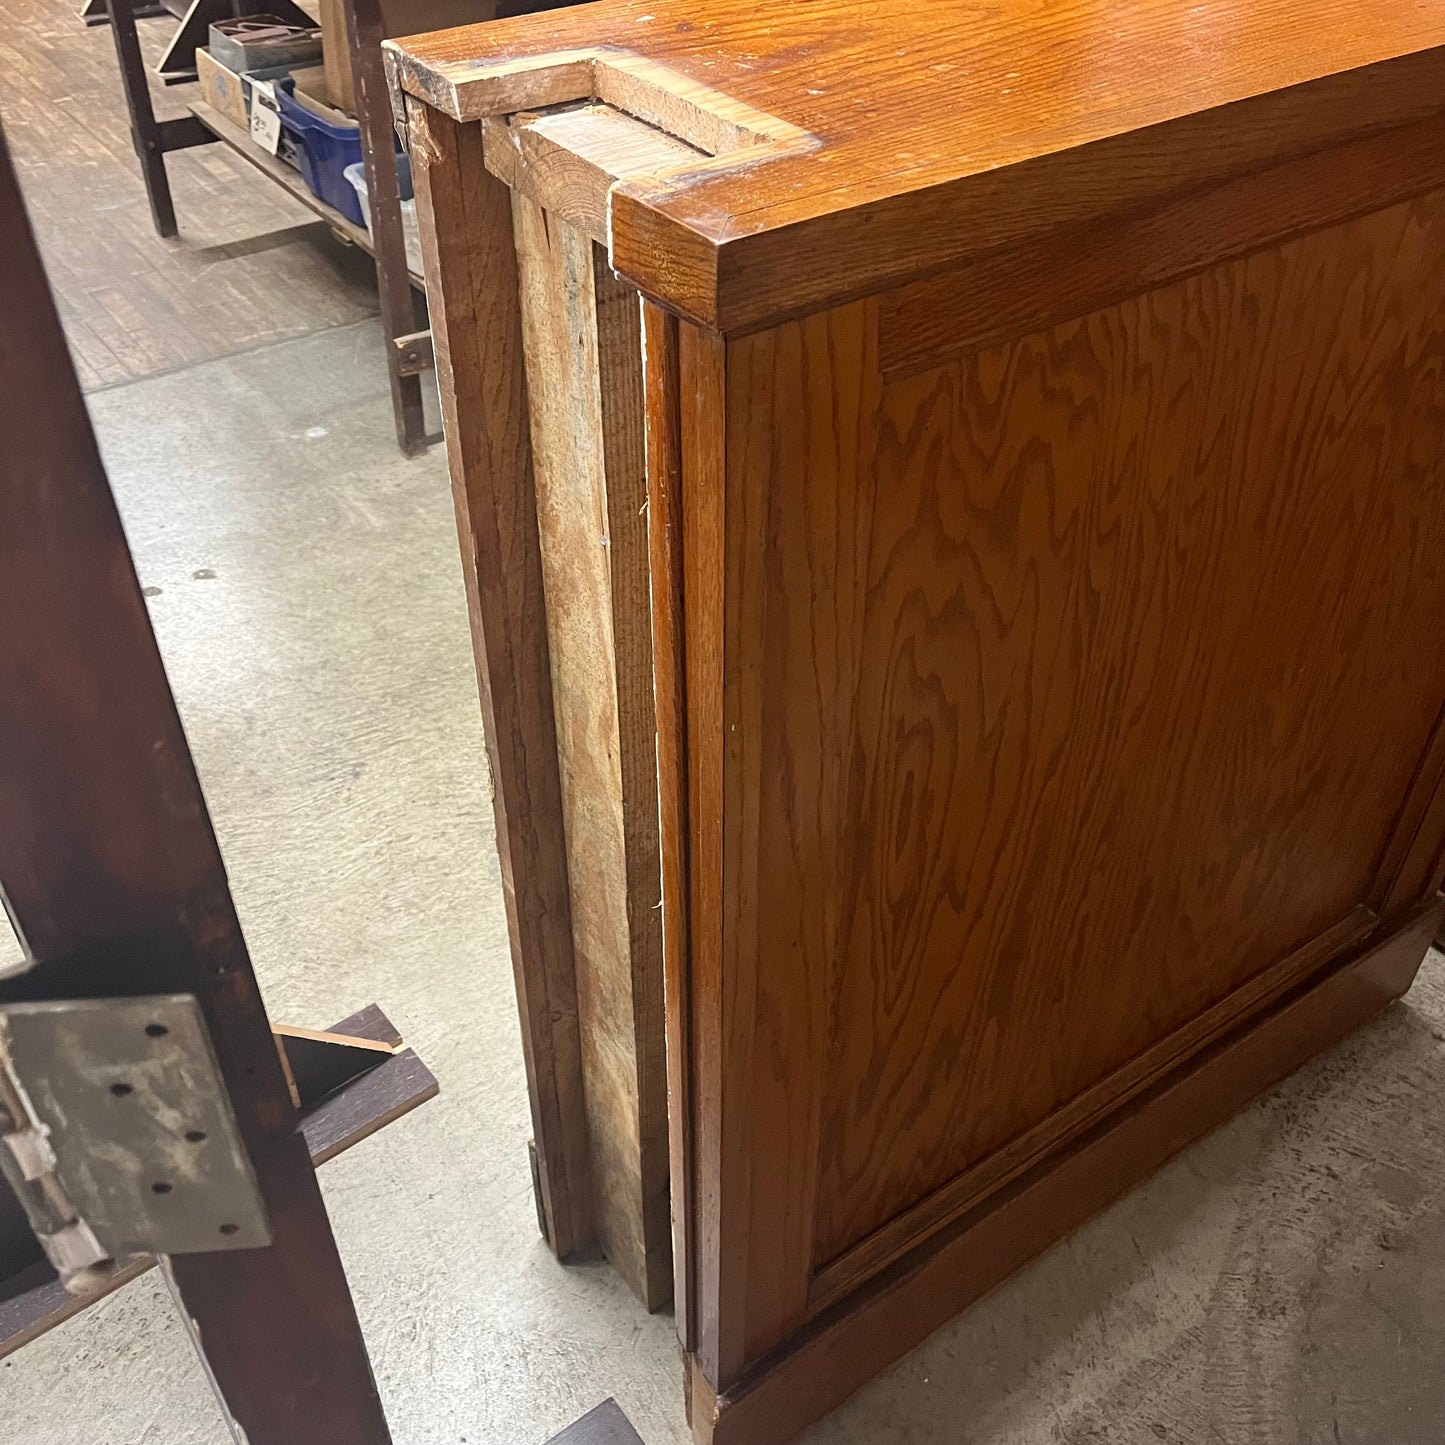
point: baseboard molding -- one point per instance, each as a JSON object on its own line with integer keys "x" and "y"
{"x": 853, "y": 1341}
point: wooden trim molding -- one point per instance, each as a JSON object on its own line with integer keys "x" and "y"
{"x": 791, "y": 207}
{"x": 814, "y": 1372}
{"x": 967, "y": 1190}
{"x": 472, "y": 286}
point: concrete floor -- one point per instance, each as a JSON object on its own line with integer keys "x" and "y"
{"x": 1280, "y": 1283}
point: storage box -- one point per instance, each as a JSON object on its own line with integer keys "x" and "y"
{"x": 326, "y": 141}
{"x": 410, "y": 232}
{"x": 250, "y": 43}
{"x": 227, "y": 93}
{"x": 221, "y": 89}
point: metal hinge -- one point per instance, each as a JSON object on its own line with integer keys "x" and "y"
{"x": 117, "y": 1134}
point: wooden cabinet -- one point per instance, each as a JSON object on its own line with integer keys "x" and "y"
{"x": 1042, "y": 417}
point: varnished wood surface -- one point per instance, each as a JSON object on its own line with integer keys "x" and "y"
{"x": 250, "y": 267}
{"x": 944, "y": 129}
{"x": 1025, "y": 710}
{"x": 825, "y": 1363}
{"x": 1002, "y": 793}
{"x": 1049, "y": 547}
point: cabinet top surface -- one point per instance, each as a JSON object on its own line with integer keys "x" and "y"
{"x": 875, "y": 111}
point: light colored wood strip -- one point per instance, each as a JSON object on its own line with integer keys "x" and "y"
{"x": 661, "y": 383}
{"x": 567, "y": 161}
{"x": 587, "y": 448}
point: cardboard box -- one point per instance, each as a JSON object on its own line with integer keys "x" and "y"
{"x": 398, "y": 17}
{"x": 221, "y": 89}
{"x": 312, "y": 90}
{"x": 229, "y": 94}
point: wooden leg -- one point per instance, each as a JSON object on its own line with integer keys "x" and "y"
{"x": 471, "y": 275}
{"x": 267, "y": 1319}
{"x": 111, "y": 870}
{"x": 364, "y": 35}
{"x": 145, "y": 130}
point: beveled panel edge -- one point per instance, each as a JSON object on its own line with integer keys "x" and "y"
{"x": 1019, "y": 290}
{"x": 795, "y": 1385}
{"x": 964, "y": 1191}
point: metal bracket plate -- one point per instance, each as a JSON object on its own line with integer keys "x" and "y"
{"x": 139, "y": 1120}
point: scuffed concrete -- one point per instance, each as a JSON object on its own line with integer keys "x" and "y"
{"x": 1281, "y": 1283}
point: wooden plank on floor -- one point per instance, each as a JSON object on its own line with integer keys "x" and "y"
{"x": 606, "y": 1425}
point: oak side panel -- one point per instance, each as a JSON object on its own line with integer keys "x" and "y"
{"x": 582, "y": 343}
{"x": 1027, "y": 739}
{"x": 472, "y": 289}
{"x": 1107, "y": 753}
{"x": 833, "y": 1356}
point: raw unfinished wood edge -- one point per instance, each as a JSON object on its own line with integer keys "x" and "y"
{"x": 785, "y": 1392}
{"x": 582, "y": 347}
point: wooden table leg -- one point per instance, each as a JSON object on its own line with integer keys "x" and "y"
{"x": 364, "y": 34}
{"x": 145, "y": 130}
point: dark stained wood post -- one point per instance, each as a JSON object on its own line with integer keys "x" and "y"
{"x": 112, "y": 873}
{"x": 472, "y": 290}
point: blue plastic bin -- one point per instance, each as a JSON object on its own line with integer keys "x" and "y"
{"x": 323, "y": 152}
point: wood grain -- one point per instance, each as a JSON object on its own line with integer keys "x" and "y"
{"x": 661, "y": 373}
{"x": 717, "y": 1251}
{"x": 825, "y": 1363}
{"x": 472, "y": 288}
{"x": 582, "y": 345}
{"x": 1016, "y": 290}
{"x": 951, "y": 1200}
{"x": 1042, "y": 708}
{"x": 567, "y": 161}
{"x": 995, "y": 781}
{"x": 1047, "y": 562}
{"x": 1002, "y": 122}
{"x": 112, "y": 874}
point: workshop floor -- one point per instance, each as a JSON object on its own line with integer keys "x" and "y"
{"x": 1280, "y": 1283}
